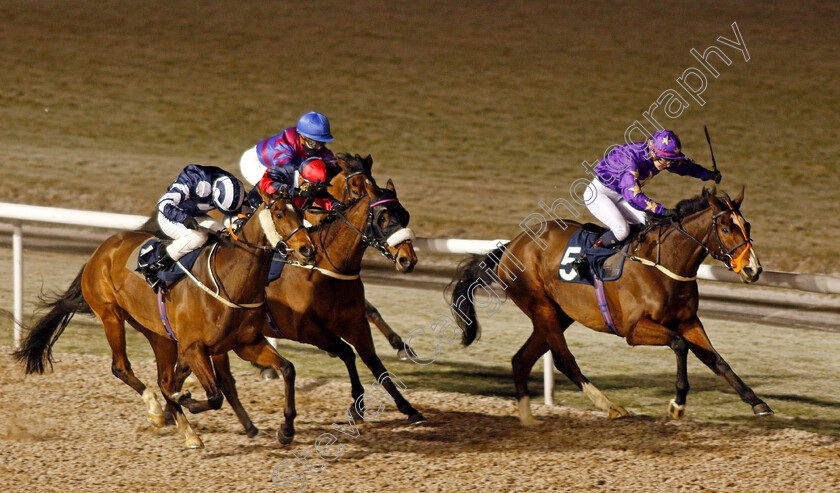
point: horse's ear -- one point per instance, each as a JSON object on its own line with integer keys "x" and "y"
{"x": 390, "y": 185}
{"x": 342, "y": 163}
{"x": 368, "y": 164}
{"x": 264, "y": 195}
{"x": 714, "y": 202}
{"x": 739, "y": 198}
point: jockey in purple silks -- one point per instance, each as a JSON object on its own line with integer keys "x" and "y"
{"x": 615, "y": 196}
{"x": 305, "y": 140}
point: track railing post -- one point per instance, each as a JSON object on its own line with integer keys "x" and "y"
{"x": 17, "y": 260}
{"x": 548, "y": 378}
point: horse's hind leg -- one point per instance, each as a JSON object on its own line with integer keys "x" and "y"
{"x": 113, "y": 320}
{"x": 221, "y": 363}
{"x": 261, "y": 353}
{"x": 700, "y": 345}
{"x": 166, "y": 355}
{"x": 523, "y": 362}
{"x": 547, "y": 318}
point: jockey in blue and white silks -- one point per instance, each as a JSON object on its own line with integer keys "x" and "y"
{"x": 305, "y": 140}
{"x": 196, "y": 191}
{"x": 615, "y": 196}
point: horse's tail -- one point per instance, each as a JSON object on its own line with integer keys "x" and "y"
{"x": 35, "y": 351}
{"x": 470, "y": 271}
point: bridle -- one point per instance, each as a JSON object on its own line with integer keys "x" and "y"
{"x": 281, "y": 246}
{"x": 735, "y": 264}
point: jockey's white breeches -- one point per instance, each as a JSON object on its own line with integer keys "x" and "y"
{"x": 611, "y": 209}
{"x": 251, "y": 167}
{"x": 185, "y": 239}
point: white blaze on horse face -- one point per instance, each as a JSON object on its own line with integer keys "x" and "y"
{"x": 271, "y": 234}
{"x": 401, "y": 236}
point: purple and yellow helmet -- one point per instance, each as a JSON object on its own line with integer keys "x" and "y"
{"x": 666, "y": 144}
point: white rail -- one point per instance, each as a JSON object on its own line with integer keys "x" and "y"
{"x": 17, "y": 213}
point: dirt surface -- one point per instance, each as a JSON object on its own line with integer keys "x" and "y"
{"x": 79, "y": 429}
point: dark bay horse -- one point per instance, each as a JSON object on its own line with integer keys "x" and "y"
{"x": 204, "y": 324}
{"x": 316, "y": 307}
{"x": 650, "y": 306}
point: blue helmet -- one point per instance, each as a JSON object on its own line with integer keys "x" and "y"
{"x": 315, "y": 126}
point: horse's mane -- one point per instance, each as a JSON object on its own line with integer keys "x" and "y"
{"x": 687, "y": 207}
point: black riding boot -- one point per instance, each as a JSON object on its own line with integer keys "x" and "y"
{"x": 581, "y": 264}
{"x": 162, "y": 263}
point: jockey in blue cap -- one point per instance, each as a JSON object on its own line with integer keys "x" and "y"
{"x": 305, "y": 140}
{"x": 184, "y": 207}
{"x": 615, "y": 195}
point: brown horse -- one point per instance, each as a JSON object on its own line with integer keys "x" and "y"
{"x": 202, "y": 326}
{"x": 314, "y": 306}
{"x": 650, "y": 306}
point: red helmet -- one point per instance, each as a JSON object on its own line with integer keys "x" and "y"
{"x": 313, "y": 170}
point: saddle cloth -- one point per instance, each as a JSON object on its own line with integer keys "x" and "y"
{"x": 150, "y": 251}
{"x": 603, "y": 262}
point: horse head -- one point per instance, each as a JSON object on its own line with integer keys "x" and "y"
{"x": 282, "y": 224}
{"x": 386, "y": 226}
{"x": 731, "y": 241}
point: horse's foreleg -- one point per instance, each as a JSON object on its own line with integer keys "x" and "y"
{"x": 261, "y": 353}
{"x": 227, "y": 384}
{"x": 649, "y": 333}
{"x": 523, "y": 362}
{"x": 196, "y": 357}
{"x": 700, "y": 345}
{"x": 394, "y": 339}
{"x": 360, "y": 338}
{"x": 322, "y": 338}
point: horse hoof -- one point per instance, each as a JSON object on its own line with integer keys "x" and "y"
{"x": 616, "y": 412}
{"x": 269, "y": 374}
{"x": 193, "y": 443}
{"x": 402, "y": 354}
{"x": 416, "y": 418}
{"x": 252, "y": 432}
{"x": 529, "y": 422}
{"x": 357, "y": 416}
{"x": 283, "y": 438}
{"x": 762, "y": 409}
{"x": 168, "y": 418}
{"x": 157, "y": 420}
{"x": 676, "y": 411}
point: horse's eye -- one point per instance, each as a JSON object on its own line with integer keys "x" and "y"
{"x": 383, "y": 221}
{"x": 356, "y": 193}
{"x": 279, "y": 215}
{"x": 725, "y": 230}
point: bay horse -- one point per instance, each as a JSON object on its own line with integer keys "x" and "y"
{"x": 650, "y": 306}
{"x": 201, "y": 326}
{"x": 326, "y": 306}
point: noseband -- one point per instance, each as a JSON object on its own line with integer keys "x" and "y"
{"x": 722, "y": 255}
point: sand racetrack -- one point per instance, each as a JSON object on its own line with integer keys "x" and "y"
{"x": 79, "y": 429}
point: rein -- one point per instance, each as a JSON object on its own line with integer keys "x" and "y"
{"x": 723, "y": 256}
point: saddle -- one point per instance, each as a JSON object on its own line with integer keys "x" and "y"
{"x": 147, "y": 253}
{"x": 604, "y": 264}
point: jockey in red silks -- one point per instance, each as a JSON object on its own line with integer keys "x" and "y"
{"x": 301, "y": 183}
{"x": 305, "y": 140}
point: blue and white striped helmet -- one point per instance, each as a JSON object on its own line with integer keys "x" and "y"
{"x": 228, "y": 194}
